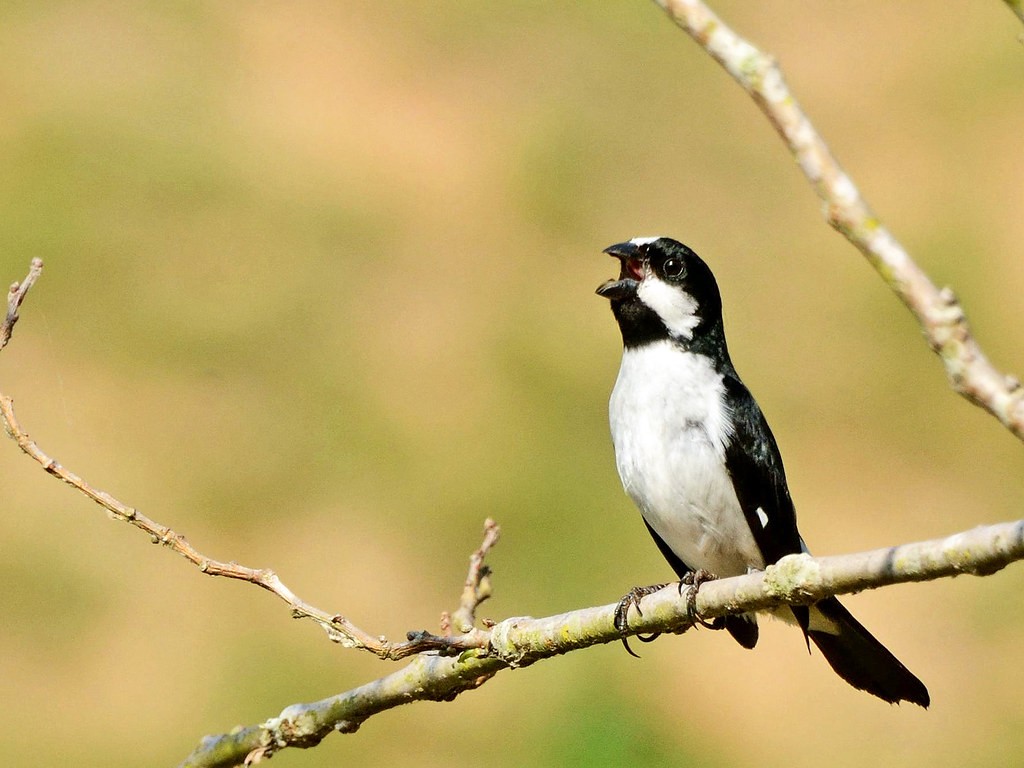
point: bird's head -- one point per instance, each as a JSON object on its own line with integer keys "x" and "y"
{"x": 664, "y": 290}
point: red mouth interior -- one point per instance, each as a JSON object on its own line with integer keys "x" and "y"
{"x": 633, "y": 268}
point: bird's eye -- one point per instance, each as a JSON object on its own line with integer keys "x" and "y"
{"x": 672, "y": 267}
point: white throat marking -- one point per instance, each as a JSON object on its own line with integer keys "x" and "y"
{"x": 676, "y": 308}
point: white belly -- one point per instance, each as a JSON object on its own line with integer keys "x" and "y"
{"x": 670, "y": 431}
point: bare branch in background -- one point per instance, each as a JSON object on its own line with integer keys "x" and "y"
{"x": 939, "y": 313}
{"x": 338, "y": 628}
{"x": 15, "y": 296}
{"x": 1017, "y": 6}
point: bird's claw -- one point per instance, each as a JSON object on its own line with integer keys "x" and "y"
{"x": 621, "y": 619}
{"x": 693, "y": 580}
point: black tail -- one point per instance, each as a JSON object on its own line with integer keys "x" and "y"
{"x": 859, "y": 658}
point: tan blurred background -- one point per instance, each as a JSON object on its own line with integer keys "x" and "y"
{"x": 319, "y": 294}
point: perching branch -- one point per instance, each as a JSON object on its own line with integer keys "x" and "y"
{"x": 521, "y": 641}
{"x": 939, "y": 313}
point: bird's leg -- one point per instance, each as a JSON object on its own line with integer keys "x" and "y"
{"x": 693, "y": 580}
{"x": 621, "y": 621}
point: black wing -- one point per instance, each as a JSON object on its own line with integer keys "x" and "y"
{"x": 753, "y": 461}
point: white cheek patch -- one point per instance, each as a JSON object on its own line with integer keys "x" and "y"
{"x": 676, "y": 308}
{"x": 762, "y": 517}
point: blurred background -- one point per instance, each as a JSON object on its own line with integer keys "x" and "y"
{"x": 319, "y": 295}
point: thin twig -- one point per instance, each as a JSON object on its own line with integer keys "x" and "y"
{"x": 939, "y": 313}
{"x": 518, "y": 642}
{"x": 338, "y": 628}
{"x": 477, "y": 587}
{"x": 15, "y": 296}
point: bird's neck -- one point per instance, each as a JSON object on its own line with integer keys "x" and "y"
{"x": 707, "y": 339}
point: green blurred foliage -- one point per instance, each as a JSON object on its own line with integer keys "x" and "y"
{"x": 318, "y": 294}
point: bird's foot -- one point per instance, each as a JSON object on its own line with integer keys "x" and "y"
{"x": 693, "y": 580}
{"x": 633, "y": 598}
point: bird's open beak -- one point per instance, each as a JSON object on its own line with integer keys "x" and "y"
{"x": 629, "y": 277}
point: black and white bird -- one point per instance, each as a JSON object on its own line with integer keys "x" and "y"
{"x": 697, "y": 457}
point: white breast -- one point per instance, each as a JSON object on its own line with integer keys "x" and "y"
{"x": 670, "y": 428}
